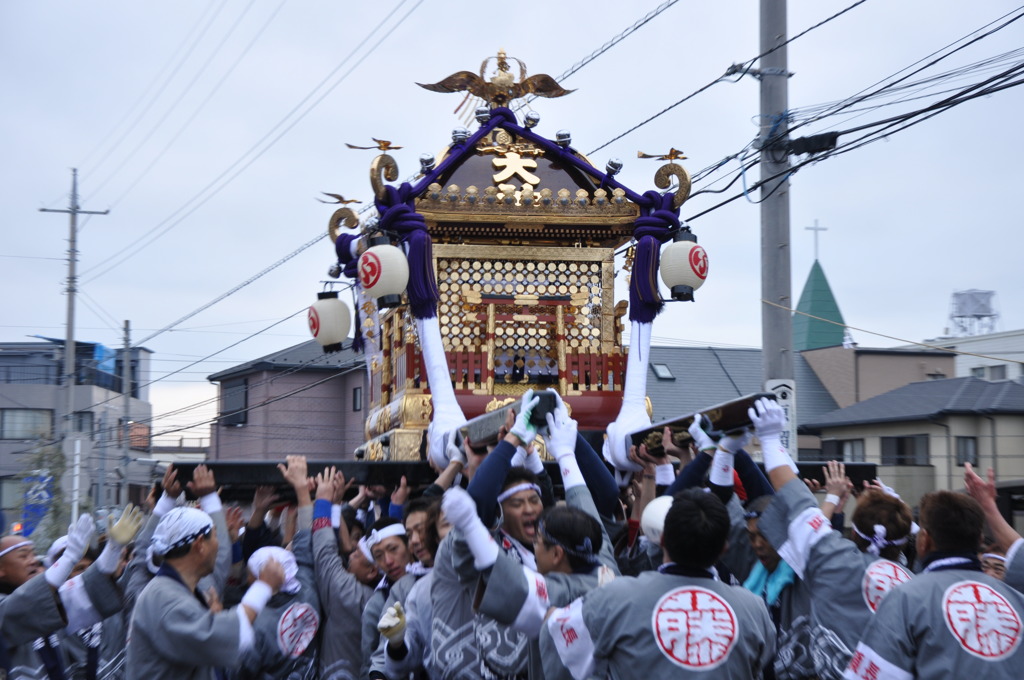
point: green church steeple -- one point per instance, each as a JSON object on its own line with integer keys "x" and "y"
{"x": 817, "y": 300}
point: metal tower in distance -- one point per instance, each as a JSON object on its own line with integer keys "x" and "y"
{"x": 973, "y": 312}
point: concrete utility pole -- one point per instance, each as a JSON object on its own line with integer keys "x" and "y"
{"x": 126, "y": 392}
{"x": 69, "y": 435}
{"x": 776, "y": 322}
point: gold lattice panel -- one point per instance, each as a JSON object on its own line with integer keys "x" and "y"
{"x": 526, "y": 298}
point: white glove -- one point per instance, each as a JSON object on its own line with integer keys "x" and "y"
{"x": 769, "y": 421}
{"x": 523, "y": 428}
{"x": 79, "y": 537}
{"x": 561, "y": 438}
{"x": 519, "y": 457}
{"x": 531, "y": 460}
{"x": 702, "y": 439}
{"x": 768, "y": 417}
{"x": 460, "y": 509}
{"x": 120, "y": 534}
{"x": 127, "y": 526}
{"x": 734, "y": 442}
{"x": 392, "y": 624}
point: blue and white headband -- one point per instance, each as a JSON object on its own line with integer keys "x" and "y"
{"x": 513, "y": 490}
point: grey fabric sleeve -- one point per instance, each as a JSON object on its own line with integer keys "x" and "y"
{"x": 31, "y": 611}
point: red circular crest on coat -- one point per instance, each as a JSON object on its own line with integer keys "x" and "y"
{"x": 296, "y": 629}
{"x": 314, "y": 322}
{"x": 694, "y": 627}
{"x": 982, "y": 620}
{"x": 880, "y": 577}
{"x": 369, "y": 269}
{"x": 699, "y": 261}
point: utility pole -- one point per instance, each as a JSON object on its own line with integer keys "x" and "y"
{"x": 776, "y": 321}
{"x": 72, "y": 445}
{"x": 126, "y": 392}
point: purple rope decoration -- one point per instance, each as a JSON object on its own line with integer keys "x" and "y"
{"x": 399, "y": 216}
{"x": 350, "y": 268}
{"x": 654, "y": 226}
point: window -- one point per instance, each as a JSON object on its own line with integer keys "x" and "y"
{"x": 662, "y": 372}
{"x": 26, "y": 423}
{"x": 997, "y": 372}
{"x": 357, "y": 398}
{"x": 910, "y": 450}
{"x": 84, "y": 422}
{"x": 234, "y": 401}
{"x": 978, "y": 372}
{"x": 846, "y": 450}
{"x": 966, "y": 450}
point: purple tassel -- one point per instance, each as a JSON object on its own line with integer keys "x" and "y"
{"x": 397, "y": 215}
{"x": 654, "y": 227}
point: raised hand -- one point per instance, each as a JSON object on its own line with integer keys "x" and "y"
{"x": 768, "y": 417}
{"x": 392, "y": 624}
{"x": 981, "y": 490}
{"x": 325, "y": 484}
{"x": 127, "y": 526}
{"x": 203, "y": 483}
{"x": 401, "y": 494}
{"x": 272, "y": 574}
{"x": 522, "y": 428}
{"x": 836, "y": 481}
{"x": 294, "y": 471}
{"x": 235, "y": 520}
{"x": 171, "y": 485}
{"x": 701, "y": 439}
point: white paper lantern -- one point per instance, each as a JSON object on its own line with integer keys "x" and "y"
{"x": 384, "y": 274}
{"x": 684, "y": 266}
{"x": 329, "y": 321}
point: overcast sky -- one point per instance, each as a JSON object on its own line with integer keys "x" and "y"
{"x": 209, "y": 127}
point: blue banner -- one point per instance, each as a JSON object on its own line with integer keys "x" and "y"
{"x": 38, "y": 498}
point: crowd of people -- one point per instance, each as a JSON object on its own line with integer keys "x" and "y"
{"x": 714, "y": 567}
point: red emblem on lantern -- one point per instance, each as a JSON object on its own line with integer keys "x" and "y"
{"x": 369, "y": 269}
{"x": 699, "y": 261}
{"x": 982, "y": 621}
{"x": 695, "y": 628}
{"x": 314, "y": 322}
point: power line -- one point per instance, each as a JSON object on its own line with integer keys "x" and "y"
{"x": 242, "y": 164}
{"x": 735, "y": 69}
{"x": 138, "y": 177}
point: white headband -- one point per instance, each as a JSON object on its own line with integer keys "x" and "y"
{"x": 376, "y": 536}
{"x": 878, "y": 541}
{"x": 364, "y": 547}
{"x": 513, "y": 490}
{"x": 15, "y": 547}
{"x": 179, "y": 527}
{"x": 285, "y": 558}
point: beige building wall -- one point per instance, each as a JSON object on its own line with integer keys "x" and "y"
{"x": 853, "y": 374}
{"x": 942, "y": 471}
{"x": 318, "y": 421}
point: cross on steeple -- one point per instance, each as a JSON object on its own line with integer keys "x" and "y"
{"x": 816, "y": 229}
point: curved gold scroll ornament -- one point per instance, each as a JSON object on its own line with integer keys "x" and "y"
{"x": 383, "y": 168}
{"x": 341, "y": 216}
{"x": 662, "y": 180}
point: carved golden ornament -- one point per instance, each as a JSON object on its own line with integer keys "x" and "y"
{"x": 649, "y": 407}
{"x": 416, "y": 410}
{"x": 662, "y": 181}
{"x": 501, "y": 87}
{"x": 374, "y": 450}
{"x": 495, "y": 404}
{"x": 345, "y": 216}
{"x": 381, "y": 145}
{"x": 383, "y": 168}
